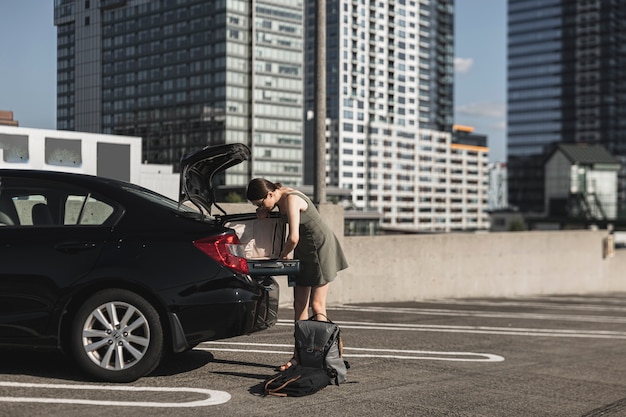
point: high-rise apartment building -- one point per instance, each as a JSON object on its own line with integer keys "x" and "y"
{"x": 390, "y": 111}
{"x": 183, "y": 74}
{"x": 566, "y": 84}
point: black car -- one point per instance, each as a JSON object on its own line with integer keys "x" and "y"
{"x": 118, "y": 276}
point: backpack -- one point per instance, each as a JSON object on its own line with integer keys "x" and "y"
{"x": 319, "y": 345}
{"x": 296, "y": 381}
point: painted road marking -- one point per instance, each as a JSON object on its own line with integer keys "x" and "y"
{"x": 212, "y": 397}
{"x": 605, "y": 299}
{"x": 371, "y": 353}
{"x": 485, "y": 314}
{"x": 531, "y": 303}
{"x": 507, "y": 331}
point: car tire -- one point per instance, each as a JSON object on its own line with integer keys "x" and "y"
{"x": 116, "y": 336}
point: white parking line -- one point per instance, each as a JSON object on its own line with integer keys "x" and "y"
{"x": 507, "y": 331}
{"x": 486, "y": 314}
{"x": 531, "y": 303}
{"x": 372, "y": 353}
{"x": 212, "y": 397}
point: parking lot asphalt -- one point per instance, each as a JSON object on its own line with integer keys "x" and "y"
{"x": 531, "y": 356}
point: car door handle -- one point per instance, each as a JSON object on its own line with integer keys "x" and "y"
{"x": 73, "y": 247}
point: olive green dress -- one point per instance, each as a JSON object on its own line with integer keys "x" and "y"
{"x": 318, "y": 249}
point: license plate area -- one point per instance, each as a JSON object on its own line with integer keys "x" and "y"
{"x": 274, "y": 266}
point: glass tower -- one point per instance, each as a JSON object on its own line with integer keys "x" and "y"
{"x": 566, "y": 84}
{"x": 183, "y": 74}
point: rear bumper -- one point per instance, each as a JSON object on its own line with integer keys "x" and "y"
{"x": 225, "y": 313}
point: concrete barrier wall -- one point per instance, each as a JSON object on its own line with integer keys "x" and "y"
{"x": 408, "y": 268}
{"x": 455, "y": 265}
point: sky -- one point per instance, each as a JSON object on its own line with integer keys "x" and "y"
{"x": 28, "y": 66}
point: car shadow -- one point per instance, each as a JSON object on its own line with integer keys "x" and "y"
{"x": 56, "y": 365}
{"x": 179, "y": 363}
{"x": 46, "y": 364}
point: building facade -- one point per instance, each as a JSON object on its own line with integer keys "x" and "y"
{"x": 6, "y": 118}
{"x": 566, "y": 84}
{"x": 498, "y": 187}
{"x": 183, "y": 74}
{"x": 110, "y": 156}
{"x": 390, "y": 108}
{"x": 581, "y": 183}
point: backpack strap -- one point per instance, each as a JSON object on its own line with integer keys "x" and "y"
{"x": 276, "y": 391}
{"x": 320, "y": 314}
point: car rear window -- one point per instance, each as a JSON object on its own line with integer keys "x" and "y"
{"x": 160, "y": 199}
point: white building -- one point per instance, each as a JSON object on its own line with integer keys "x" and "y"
{"x": 389, "y": 67}
{"x": 110, "y": 156}
{"x": 429, "y": 184}
{"x": 498, "y": 188}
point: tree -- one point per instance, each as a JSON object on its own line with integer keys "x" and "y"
{"x": 517, "y": 225}
{"x": 234, "y": 197}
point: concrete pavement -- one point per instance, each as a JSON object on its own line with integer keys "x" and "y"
{"x": 532, "y": 356}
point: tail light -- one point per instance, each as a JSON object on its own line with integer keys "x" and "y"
{"x": 223, "y": 249}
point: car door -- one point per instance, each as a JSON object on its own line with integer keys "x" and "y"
{"x": 57, "y": 236}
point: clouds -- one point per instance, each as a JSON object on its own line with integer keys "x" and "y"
{"x": 463, "y": 65}
{"x": 486, "y": 113}
{"x": 480, "y": 70}
{"x": 482, "y": 109}
{"x": 488, "y": 118}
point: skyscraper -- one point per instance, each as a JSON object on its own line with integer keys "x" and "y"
{"x": 566, "y": 84}
{"x": 390, "y": 109}
{"x": 183, "y": 74}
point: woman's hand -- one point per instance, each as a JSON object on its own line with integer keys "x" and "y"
{"x": 262, "y": 213}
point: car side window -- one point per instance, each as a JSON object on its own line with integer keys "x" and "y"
{"x": 8, "y": 212}
{"x": 85, "y": 209}
{"x": 32, "y": 209}
{"x": 25, "y": 202}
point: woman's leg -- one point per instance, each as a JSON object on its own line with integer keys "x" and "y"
{"x": 301, "y": 297}
{"x": 318, "y": 301}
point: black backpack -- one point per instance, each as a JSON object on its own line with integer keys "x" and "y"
{"x": 319, "y": 345}
{"x": 296, "y": 381}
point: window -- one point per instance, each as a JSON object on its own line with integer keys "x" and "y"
{"x": 63, "y": 152}
{"x": 14, "y": 147}
{"x": 87, "y": 210}
{"x": 26, "y": 203}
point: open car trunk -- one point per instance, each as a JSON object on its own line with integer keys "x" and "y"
{"x": 261, "y": 242}
{"x": 261, "y": 239}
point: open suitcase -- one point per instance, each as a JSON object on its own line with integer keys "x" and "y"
{"x": 261, "y": 241}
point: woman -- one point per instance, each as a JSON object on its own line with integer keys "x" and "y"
{"x": 311, "y": 241}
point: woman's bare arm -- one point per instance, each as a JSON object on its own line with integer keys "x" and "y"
{"x": 294, "y": 205}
